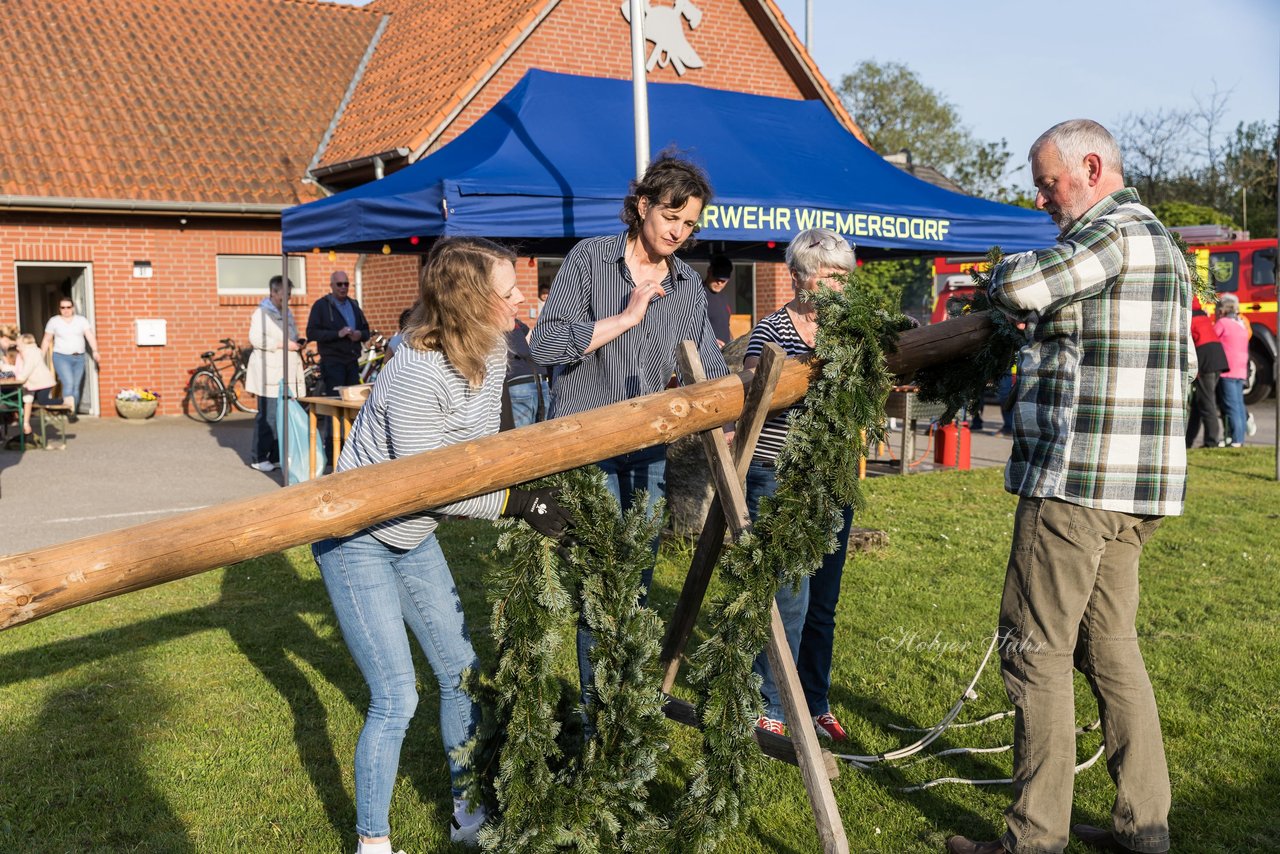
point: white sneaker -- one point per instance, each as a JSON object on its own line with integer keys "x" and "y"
{"x": 1250, "y": 426}
{"x": 465, "y": 825}
{"x": 265, "y": 465}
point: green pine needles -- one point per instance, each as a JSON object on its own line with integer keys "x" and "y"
{"x": 554, "y": 790}
{"x": 962, "y": 383}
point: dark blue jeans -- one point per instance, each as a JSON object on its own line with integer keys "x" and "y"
{"x": 626, "y": 476}
{"x": 265, "y": 447}
{"x": 808, "y": 612}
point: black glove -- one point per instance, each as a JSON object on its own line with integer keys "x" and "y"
{"x": 540, "y": 508}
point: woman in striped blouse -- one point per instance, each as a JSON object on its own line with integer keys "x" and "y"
{"x": 815, "y": 257}
{"x": 443, "y": 387}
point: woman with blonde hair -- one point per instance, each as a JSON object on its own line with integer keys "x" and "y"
{"x": 37, "y": 380}
{"x": 443, "y": 387}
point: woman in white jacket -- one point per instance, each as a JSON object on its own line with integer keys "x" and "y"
{"x": 266, "y": 334}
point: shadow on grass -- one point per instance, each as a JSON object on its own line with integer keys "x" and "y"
{"x": 268, "y": 630}
{"x": 261, "y": 609}
{"x": 83, "y": 786}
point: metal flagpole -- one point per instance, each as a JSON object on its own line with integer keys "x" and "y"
{"x": 639, "y": 87}
{"x": 282, "y": 414}
{"x": 808, "y": 25}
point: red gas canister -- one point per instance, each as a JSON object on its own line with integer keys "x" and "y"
{"x": 952, "y": 448}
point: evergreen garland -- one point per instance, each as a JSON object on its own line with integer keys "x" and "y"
{"x": 961, "y": 383}
{"x": 553, "y": 790}
{"x": 817, "y": 472}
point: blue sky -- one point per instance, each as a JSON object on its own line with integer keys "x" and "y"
{"x": 1015, "y": 68}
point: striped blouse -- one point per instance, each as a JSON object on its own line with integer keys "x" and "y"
{"x": 778, "y": 329}
{"x": 594, "y": 283}
{"x": 419, "y": 403}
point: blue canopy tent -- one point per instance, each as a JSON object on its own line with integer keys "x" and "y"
{"x": 552, "y": 160}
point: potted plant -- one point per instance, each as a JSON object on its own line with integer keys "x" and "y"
{"x": 136, "y": 403}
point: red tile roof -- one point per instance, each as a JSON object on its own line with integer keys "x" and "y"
{"x": 172, "y": 100}
{"x": 430, "y": 58}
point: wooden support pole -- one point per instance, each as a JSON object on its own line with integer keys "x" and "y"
{"x": 809, "y": 756}
{"x": 711, "y": 540}
{"x": 48, "y": 580}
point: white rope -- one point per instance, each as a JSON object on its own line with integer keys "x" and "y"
{"x": 966, "y": 782}
{"x": 933, "y": 733}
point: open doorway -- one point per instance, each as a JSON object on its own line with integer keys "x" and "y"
{"x": 41, "y": 284}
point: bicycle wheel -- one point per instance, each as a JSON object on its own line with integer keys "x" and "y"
{"x": 206, "y": 396}
{"x": 240, "y": 398}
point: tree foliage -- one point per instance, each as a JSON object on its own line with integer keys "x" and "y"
{"x": 897, "y": 111}
{"x": 1187, "y": 157}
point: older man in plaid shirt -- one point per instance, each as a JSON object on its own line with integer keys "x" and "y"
{"x": 1099, "y": 458}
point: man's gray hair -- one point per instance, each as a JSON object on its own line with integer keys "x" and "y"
{"x": 815, "y": 248}
{"x": 1076, "y": 139}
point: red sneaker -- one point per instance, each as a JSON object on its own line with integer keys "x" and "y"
{"x": 827, "y": 726}
{"x": 770, "y": 725}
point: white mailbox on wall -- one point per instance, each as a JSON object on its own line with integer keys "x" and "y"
{"x": 151, "y": 332}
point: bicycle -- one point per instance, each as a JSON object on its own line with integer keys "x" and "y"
{"x": 211, "y": 397}
{"x": 372, "y": 358}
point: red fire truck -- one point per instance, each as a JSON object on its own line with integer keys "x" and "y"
{"x": 1235, "y": 264}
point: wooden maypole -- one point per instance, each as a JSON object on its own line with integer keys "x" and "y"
{"x": 46, "y": 581}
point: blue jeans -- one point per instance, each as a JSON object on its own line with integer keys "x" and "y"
{"x": 525, "y": 409}
{"x": 1004, "y": 388}
{"x": 808, "y": 611}
{"x": 377, "y": 590}
{"x": 265, "y": 446}
{"x": 70, "y": 371}
{"x": 1232, "y": 392}
{"x": 625, "y": 476}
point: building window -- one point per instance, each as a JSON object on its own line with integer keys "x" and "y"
{"x": 248, "y": 275}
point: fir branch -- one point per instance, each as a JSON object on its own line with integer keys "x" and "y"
{"x": 962, "y": 383}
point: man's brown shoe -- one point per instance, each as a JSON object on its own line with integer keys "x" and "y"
{"x": 964, "y": 845}
{"x": 1097, "y": 838}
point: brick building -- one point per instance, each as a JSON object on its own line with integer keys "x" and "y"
{"x": 149, "y": 148}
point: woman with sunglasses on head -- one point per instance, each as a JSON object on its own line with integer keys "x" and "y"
{"x": 69, "y": 336}
{"x": 443, "y": 387}
{"x": 613, "y": 318}
{"x": 815, "y": 258}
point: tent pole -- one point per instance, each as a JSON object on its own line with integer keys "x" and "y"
{"x": 639, "y": 88}
{"x": 283, "y": 439}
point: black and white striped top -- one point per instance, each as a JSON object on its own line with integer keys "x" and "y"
{"x": 419, "y": 403}
{"x": 778, "y": 329}
{"x": 594, "y": 283}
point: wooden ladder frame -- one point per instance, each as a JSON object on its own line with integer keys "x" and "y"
{"x": 729, "y": 508}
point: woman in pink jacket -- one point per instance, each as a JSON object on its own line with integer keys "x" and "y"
{"x": 1235, "y": 341}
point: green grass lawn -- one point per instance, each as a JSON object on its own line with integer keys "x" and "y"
{"x": 220, "y": 713}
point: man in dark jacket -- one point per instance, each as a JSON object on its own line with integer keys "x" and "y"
{"x": 337, "y": 325}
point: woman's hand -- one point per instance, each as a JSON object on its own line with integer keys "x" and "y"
{"x": 638, "y": 304}
{"x": 294, "y": 346}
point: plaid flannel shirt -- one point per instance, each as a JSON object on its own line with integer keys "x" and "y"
{"x": 1103, "y": 379}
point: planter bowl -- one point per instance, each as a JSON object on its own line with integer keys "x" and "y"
{"x": 136, "y": 410}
